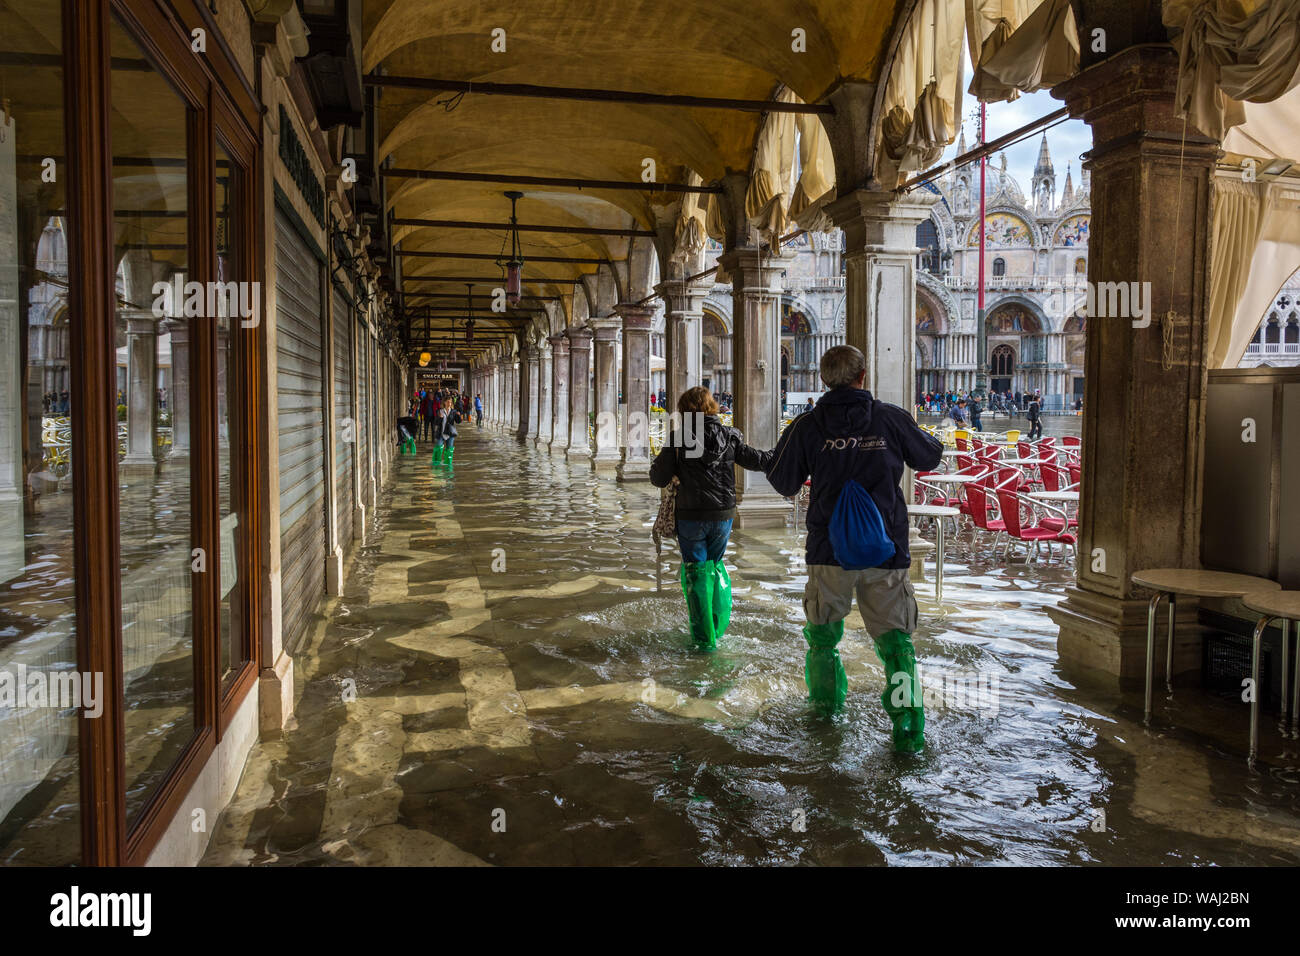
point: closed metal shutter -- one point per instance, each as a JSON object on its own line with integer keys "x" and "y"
{"x": 300, "y": 400}
{"x": 345, "y": 493}
{"x": 363, "y": 403}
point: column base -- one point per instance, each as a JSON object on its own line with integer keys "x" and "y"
{"x": 275, "y": 697}
{"x": 763, "y": 511}
{"x": 1107, "y": 637}
{"x": 359, "y": 524}
{"x": 334, "y": 573}
{"x": 605, "y": 461}
{"x": 920, "y": 550}
{"x": 634, "y": 469}
{"x": 558, "y": 446}
{"x": 577, "y": 453}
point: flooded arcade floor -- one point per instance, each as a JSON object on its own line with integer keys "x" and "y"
{"x": 504, "y": 681}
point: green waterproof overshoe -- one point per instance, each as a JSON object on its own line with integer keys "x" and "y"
{"x": 697, "y": 587}
{"x": 437, "y": 455}
{"x": 823, "y": 672}
{"x": 451, "y": 453}
{"x": 721, "y": 597}
{"x": 902, "y": 695}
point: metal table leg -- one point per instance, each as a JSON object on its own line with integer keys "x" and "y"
{"x": 1256, "y": 641}
{"x": 1286, "y": 668}
{"x": 938, "y": 568}
{"x": 1172, "y": 608}
{"x": 1151, "y": 647}
{"x": 1295, "y": 687}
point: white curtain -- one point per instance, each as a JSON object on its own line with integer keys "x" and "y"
{"x": 1038, "y": 52}
{"x": 1231, "y": 52}
{"x": 771, "y": 179}
{"x": 922, "y": 98}
{"x": 816, "y": 185}
{"x": 1246, "y": 277}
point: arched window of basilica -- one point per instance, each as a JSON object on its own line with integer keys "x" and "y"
{"x": 999, "y": 266}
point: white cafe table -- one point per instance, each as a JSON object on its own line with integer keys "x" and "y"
{"x": 1055, "y": 495}
{"x": 1170, "y": 582}
{"x": 938, "y": 512}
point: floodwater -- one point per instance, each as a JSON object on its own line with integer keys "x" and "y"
{"x": 508, "y": 679}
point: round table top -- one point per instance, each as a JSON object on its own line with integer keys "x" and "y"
{"x": 952, "y": 453}
{"x": 951, "y": 479}
{"x": 933, "y": 511}
{"x": 1276, "y": 603}
{"x": 1055, "y": 495}
{"x": 1202, "y": 583}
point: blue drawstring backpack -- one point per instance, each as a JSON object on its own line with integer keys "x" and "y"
{"x": 857, "y": 530}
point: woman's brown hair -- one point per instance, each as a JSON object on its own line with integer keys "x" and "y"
{"x": 697, "y": 399}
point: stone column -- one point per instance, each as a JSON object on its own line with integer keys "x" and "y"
{"x": 1142, "y": 472}
{"x": 880, "y": 299}
{"x": 141, "y": 385}
{"x": 178, "y": 400}
{"x": 605, "y": 359}
{"x": 756, "y": 351}
{"x": 579, "y": 447}
{"x": 508, "y": 402}
{"x": 683, "y": 337}
{"x": 880, "y": 264}
{"x": 560, "y": 392}
{"x": 527, "y": 363}
{"x": 533, "y": 394}
{"x": 636, "y": 391}
{"x": 545, "y": 389}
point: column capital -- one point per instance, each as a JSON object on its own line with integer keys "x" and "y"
{"x": 559, "y": 342}
{"x": 635, "y": 317}
{"x": 756, "y": 271}
{"x": 881, "y": 221}
{"x": 606, "y": 328}
{"x": 579, "y": 337}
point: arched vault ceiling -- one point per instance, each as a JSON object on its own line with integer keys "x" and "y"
{"x": 734, "y": 49}
{"x": 570, "y": 138}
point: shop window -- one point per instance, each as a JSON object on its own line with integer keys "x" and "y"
{"x": 40, "y": 686}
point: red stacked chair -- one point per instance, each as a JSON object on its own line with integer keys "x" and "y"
{"x": 1011, "y": 504}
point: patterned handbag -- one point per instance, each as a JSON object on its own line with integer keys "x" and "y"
{"x": 666, "y": 521}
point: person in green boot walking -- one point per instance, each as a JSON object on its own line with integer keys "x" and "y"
{"x": 854, "y": 447}
{"x": 445, "y": 420}
{"x": 701, "y": 453}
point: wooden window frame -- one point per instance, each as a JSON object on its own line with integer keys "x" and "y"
{"x": 219, "y": 101}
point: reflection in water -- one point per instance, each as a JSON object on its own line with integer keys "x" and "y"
{"x": 561, "y": 690}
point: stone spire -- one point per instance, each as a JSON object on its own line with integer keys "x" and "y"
{"x": 1067, "y": 194}
{"x": 1044, "y": 182}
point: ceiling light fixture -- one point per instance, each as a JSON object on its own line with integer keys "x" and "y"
{"x": 515, "y": 264}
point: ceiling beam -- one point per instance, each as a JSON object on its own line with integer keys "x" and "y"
{"x": 595, "y": 95}
{"x": 495, "y": 257}
{"x": 493, "y": 280}
{"x": 563, "y": 182}
{"x": 532, "y": 227}
{"x": 461, "y": 295}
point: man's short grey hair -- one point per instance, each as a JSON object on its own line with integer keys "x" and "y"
{"x": 841, "y": 365}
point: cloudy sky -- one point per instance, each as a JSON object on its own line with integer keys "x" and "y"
{"x": 1066, "y": 140}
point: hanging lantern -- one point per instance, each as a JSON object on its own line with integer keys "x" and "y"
{"x": 515, "y": 264}
{"x": 425, "y": 358}
{"x": 469, "y": 319}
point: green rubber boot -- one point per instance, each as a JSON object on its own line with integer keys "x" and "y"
{"x": 437, "y": 454}
{"x": 721, "y": 597}
{"x": 902, "y": 696}
{"x": 697, "y": 586}
{"x": 823, "y": 671}
{"x": 451, "y": 453}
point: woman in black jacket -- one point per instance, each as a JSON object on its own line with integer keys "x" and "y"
{"x": 445, "y": 420}
{"x": 702, "y": 454}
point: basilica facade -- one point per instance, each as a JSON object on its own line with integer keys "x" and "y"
{"x": 1036, "y": 264}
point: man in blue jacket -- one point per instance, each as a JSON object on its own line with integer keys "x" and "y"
{"x": 851, "y": 436}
